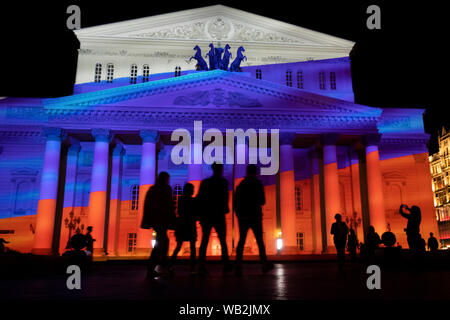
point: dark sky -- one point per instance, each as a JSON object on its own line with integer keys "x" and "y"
{"x": 401, "y": 65}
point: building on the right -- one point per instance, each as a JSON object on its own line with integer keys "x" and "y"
{"x": 440, "y": 168}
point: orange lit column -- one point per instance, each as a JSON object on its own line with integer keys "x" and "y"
{"x": 315, "y": 202}
{"x": 375, "y": 184}
{"x": 147, "y": 179}
{"x": 195, "y": 172}
{"x": 45, "y": 220}
{"x": 331, "y": 183}
{"x": 287, "y": 194}
{"x": 114, "y": 206}
{"x": 99, "y": 183}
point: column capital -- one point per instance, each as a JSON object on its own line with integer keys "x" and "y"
{"x": 149, "y": 135}
{"x": 372, "y": 139}
{"x": 328, "y": 139}
{"x": 101, "y": 134}
{"x": 119, "y": 150}
{"x": 287, "y": 138}
{"x": 52, "y": 133}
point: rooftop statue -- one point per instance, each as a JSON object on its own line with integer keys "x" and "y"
{"x": 236, "y": 65}
{"x": 226, "y": 58}
{"x": 212, "y": 57}
{"x": 201, "y": 63}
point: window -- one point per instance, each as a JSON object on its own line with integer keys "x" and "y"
{"x": 134, "y": 204}
{"x": 177, "y": 71}
{"x": 300, "y": 79}
{"x": 145, "y": 73}
{"x": 322, "y": 80}
{"x": 133, "y": 76}
{"x": 300, "y": 237}
{"x": 289, "y": 78}
{"x": 333, "y": 80}
{"x": 298, "y": 199}
{"x": 110, "y": 72}
{"x": 98, "y": 72}
{"x": 131, "y": 242}
{"x": 176, "y": 194}
{"x": 258, "y": 74}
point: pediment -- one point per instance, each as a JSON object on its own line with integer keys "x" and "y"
{"x": 214, "y": 23}
{"x": 214, "y": 90}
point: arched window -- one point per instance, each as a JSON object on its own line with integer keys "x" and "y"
{"x": 289, "y": 78}
{"x": 322, "y": 80}
{"x": 176, "y": 194}
{"x": 258, "y": 74}
{"x": 134, "y": 196}
{"x": 300, "y": 79}
{"x": 177, "y": 71}
{"x": 133, "y": 75}
{"x": 98, "y": 72}
{"x": 298, "y": 199}
{"x": 332, "y": 80}
{"x": 110, "y": 72}
{"x": 145, "y": 73}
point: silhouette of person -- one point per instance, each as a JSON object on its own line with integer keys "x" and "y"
{"x": 213, "y": 201}
{"x": 352, "y": 244}
{"x": 413, "y": 226}
{"x": 79, "y": 241}
{"x": 249, "y": 199}
{"x": 186, "y": 226}
{"x": 372, "y": 242}
{"x": 433, "y": 244}
{"x": 339, "y": 230}
{"x": 2, "y": 245}
{"x": 159, "y": 214}
{"x": 89, "y": 241}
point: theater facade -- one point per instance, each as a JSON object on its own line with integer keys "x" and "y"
{"x": 88, "y": 159}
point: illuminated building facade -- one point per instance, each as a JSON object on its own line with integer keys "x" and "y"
{"x": 89, "y": 158}
{"x": 440, "y": 168}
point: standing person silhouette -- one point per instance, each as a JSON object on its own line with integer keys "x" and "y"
{"x": 433, "y": 244}
{"x": 352, "y": 244}
{"x": 186, "y": 226}
{"x": 89, "y": 241}
{"x": 339, "y": 230}
{"x": 159, "y": 214}
{"x": 213, "y": 202}
{"x": 248, "y": 201}
{"x": 413, "y": 226}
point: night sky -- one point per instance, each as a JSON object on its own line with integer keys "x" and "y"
{"x": 401, "y": 65}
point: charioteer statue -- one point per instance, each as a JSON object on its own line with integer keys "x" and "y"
{"x": 219, "y": 58}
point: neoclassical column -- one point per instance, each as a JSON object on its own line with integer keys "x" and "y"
{"x": 115, "y": 198}
{"x": 45, "y": 220}
{"x": 375, "y": 184}
{"x": 355, "y": 183}
{"x": 195, "y": 169}
{"x": 71, "y": 174}
{"x": 147, "y": 179}
{"x": 315, "y": 201}
{"x": 99, "y": 185}
{"x": 331, "y": 183}
{"x": 287, "y": 193}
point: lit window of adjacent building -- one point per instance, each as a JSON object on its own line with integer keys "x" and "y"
{"x": 300, "y": 240}
{"x": 145, "y": 73}
{"x": 333, "y": 80}
{"x": 134, "y": 196}
{"x": 322, "y": 80}
{"x": 98, "y": 72}
{"x": 298, "y": 199}
{"x": 300, "y": 79}
{"x": 133, "y": 74}
{"x": 258, "y": 74}
{"x": 177, "y": 71}
{"x": 110, "y": 72}
{"x": 289, "y": 78}
{"x": 131, "y": 242}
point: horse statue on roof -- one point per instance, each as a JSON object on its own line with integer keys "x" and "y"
{"x": 212, "y": 57}
{"x": 236, "y": 65}
{"x": 201, "y": 63}
{"x": 226, "y": 58}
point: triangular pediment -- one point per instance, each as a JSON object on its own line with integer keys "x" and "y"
{"x": 214, "y": 23}
{"x": 214, "y": 90}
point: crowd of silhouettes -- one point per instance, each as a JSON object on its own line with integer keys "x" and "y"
{"x": 209, "y": 207}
